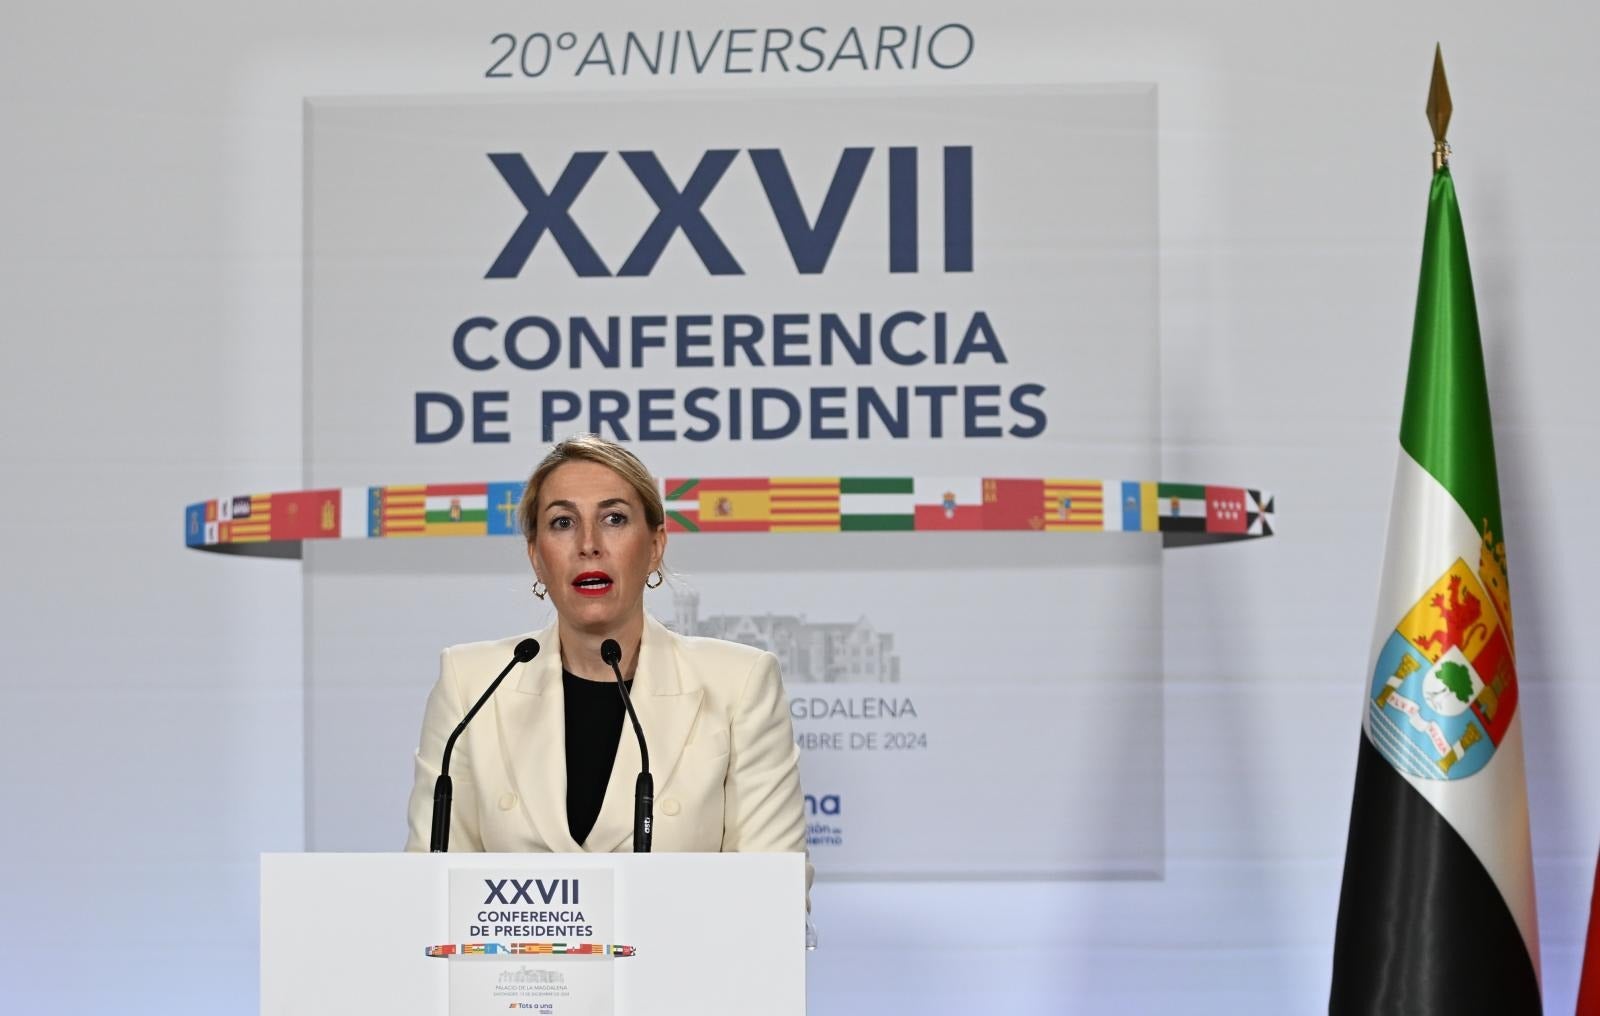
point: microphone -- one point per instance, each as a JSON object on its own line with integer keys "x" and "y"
{"x": 439, "y": 842}
{"x": 644, "y": 789}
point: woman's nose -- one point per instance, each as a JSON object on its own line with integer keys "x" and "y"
{"x": 588, "y": 541}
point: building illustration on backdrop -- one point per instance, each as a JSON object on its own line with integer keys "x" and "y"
{"x": 825, "y": 652}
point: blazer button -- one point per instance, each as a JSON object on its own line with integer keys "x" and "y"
{"x": 508, "y": 801}
{"x": 669, "y": 806}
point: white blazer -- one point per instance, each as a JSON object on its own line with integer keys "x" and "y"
{"x": 715, "y": 718}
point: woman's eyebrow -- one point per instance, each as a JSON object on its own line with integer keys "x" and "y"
{"x": 607, "y": 503}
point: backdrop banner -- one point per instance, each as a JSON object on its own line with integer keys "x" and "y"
{"x": 832, "y": 325}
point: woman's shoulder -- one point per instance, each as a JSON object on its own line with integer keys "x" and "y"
{"x": 497, "y": 648}
{"x": 476, "y": 663}
{"x": 719, "y": 649}
{"x": 710, "y": 656}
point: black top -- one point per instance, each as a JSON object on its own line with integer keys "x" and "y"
{"x": 594, "y": 727}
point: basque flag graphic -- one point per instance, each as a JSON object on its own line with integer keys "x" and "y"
{"x": 1436, "y": 912}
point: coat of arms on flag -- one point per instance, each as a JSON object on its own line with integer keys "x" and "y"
{"x": 1445, "y": 684}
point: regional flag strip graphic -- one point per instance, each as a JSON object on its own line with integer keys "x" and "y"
{"x": 455, "y": 950}
{"x": 1436, "y": 911}
{"x": 856, "y": 504}
{"x": 1192, "y": 513}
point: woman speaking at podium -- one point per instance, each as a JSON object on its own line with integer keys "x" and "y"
{"x": 547, "y": 763}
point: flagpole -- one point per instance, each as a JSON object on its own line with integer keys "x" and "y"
{"x": 1439, "y": 110}
{"x": 1436, "y": 907}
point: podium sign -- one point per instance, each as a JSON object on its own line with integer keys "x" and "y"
{"x": 551, "y": 934}
{"x": 533, "y": 939}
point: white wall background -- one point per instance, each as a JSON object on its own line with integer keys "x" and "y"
{"x": 150, "y": 300}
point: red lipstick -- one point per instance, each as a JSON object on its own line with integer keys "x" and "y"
{"x": 592, "y": 583}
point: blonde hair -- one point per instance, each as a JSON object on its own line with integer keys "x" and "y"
{"x": 591, "y": 448}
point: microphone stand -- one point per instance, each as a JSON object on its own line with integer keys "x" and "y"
{"x": 443, "y": 789}
{"x": 644, "y": 789}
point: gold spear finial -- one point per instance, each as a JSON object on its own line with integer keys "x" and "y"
{"x": 1439, "y": 110}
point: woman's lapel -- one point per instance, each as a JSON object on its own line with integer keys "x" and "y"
{"x": 533, "y": 742}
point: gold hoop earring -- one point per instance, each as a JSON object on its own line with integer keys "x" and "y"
{"x": 660, "y": 578}
{"x": 539, "y": 589}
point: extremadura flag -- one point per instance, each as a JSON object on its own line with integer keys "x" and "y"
{"x": 1436, "y": 913}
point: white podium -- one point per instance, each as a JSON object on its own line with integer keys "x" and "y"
{"x": 703, "y": 934}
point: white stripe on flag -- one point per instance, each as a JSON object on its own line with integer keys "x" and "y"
{"x": 468, "y": 502}
{"x": 352, "y": 513}
{"x": 1428, "y": 532}
{"x": 877, "y": 504}
{"x": 932, "y": 489}
{"x": 1111, "y": 505}
{"x": 1188, "y": 508}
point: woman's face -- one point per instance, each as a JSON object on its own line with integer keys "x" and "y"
{"x": 593, "y": 547}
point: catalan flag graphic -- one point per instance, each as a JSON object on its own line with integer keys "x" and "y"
{"x": 1073, "y": 505}
{"x": 805, "y": 504}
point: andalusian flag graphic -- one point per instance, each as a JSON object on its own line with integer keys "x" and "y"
{"x": 877, "y": 504}
{"x": 1436, "y": 914}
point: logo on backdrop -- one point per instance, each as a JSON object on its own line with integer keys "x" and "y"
{"x": 681, "y": 210}
{"x": 824, "y": 827}
{"x": 908, "y": 341}
{"x": 1445, "y": 686}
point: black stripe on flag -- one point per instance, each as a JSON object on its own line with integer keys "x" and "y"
{"x": 1422, "y": 927}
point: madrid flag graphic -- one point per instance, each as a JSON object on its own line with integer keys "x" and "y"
{"x": 1436, "y": 913}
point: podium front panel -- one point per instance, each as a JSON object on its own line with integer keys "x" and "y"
{"x": 712, "y": 933}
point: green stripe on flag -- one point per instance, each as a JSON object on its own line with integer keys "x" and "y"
{"x": 876, "y": 523}
{"x": 1445, "y": 424}
{"x": 877, "y": 485}
{"x": 676, "y": 494}
{"x": 684, "y": 521}
{"x": 470, "y": 515}
{"x": 1182, "y": 490}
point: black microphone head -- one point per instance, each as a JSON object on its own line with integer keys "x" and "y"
{"x": 526, "y": 650}
{"x": 610, "y": 652}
